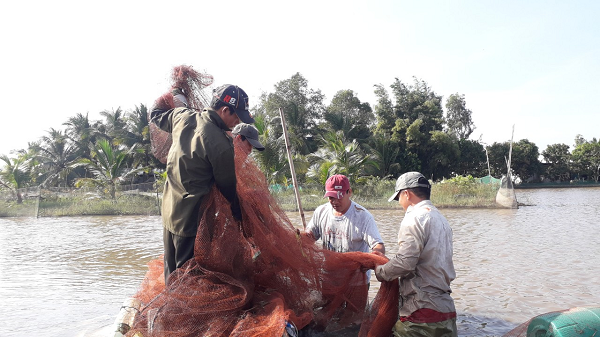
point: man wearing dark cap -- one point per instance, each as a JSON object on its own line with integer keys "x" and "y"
{"x": 423, "y": 263}
{"x": 201, "y": 156}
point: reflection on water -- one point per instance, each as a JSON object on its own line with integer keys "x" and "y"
{"x": 69, "y": 276}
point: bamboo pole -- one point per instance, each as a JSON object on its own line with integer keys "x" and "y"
{"x": 292, "y": 170}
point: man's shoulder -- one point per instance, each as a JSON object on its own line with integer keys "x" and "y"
{"x": 359, "y": 210}
{"x": 322, "y": 208}
{"x": 357, "y": 207}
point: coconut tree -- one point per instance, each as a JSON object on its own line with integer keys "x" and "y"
{"x": 340, "y": 158}
{"x": 15, "y": 173}
{"x": 115, "y": 126}
{"x": 55, "y": 156}
{"x": 82, "y": 133}
{"x": 138, "y": 135}
{"x": 109, "y": 165}
{"x": 272, "y": 160}
{"x": 385, "y": 152}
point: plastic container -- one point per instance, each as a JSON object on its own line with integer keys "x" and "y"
{"x": 575, "y": 322}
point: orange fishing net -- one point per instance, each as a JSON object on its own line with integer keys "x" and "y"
{"x": 253, "y": 278}
{"x": 250, "y": 282}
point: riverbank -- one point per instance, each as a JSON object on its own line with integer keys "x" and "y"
{"x": 558, "y": 185}
{"x": 372, "y": 195}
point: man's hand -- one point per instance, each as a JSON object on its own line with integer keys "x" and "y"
{"x": 378, "y": 253}
{"x": 179, "y": 99}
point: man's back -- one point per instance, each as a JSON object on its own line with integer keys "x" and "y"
{"x": 425, "y": 239}
{"x": 200, "y": 147}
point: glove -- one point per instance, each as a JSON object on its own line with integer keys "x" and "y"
{"x": 179, "y": 99}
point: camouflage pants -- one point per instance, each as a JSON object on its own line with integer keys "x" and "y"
{"x": 445, "y": 328}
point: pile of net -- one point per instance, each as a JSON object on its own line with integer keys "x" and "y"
{"x": 254, "y": 278}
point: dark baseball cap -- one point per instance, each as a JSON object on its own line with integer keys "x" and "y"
{"x": 235, "y": 98}
{"x": 409, "y": 180}
{"x": 250, "y": 133}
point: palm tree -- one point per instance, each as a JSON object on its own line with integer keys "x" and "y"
{"x": 272, "y": 160}
{"x": 55, "y": 156}
{"x": 15, "y": 174}
{"x": 340, "y": 158}
{"x": 82, "y": 133}
{"x": 115, "y": 126}
{"x": 138, "y": 134}
{"x": 386, "y": 153}
{"x": 108, "y": 165}
{"x": 346, "y": 113}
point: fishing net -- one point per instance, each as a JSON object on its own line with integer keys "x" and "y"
{"x": 506, "y": 196}
{"x": 253, "y": 278}
{"x": 191, "y": 83}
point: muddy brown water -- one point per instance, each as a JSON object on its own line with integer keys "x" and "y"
{"x": 69, "y": 276}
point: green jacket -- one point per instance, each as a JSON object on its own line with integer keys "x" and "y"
{"x": 201, "y": 155}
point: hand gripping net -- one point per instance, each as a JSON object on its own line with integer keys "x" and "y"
{"x": 191, "y": 84}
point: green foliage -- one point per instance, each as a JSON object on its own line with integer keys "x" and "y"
{"x": 373, "y": 193}
{"x": 55, "y": 157}
{"x": 586, "y": 159}
{"x": 340, "y": 157}
{"x": 15, "y": 174}
{"x": 558, "y": 160}
{"x": 443, "y": 153}
{"x": 302, "y": 108}
{"x": 124, "y": 205}
{"x": 525, "y": 163}
{"x": 458, "y": 118}
{"x": 405, "y": 131}
{"x": 108, "y": 165}
{"x": 462, "y": 191}
{"x": 473, "y": 160}
{"x": 346, "y": 113}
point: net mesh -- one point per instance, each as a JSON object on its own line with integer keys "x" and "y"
{"x": 191, "y": 83}
{"x": 249, "y": 279}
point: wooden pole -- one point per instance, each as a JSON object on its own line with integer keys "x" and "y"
{"x": 292, "y": 170}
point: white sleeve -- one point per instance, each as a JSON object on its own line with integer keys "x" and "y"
{"x": 313, "y": 226}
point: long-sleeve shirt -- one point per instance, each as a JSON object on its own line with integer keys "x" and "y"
{"x": 201, "y": 155}
{"x": 423, "y": 262}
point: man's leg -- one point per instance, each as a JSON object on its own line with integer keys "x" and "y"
{"x": 178, "y": 250}
{"x": 169, "y": 254}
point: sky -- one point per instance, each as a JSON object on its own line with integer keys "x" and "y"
{"x": 534, "y": 65}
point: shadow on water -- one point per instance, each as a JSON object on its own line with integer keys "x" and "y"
{"x": 480, "y": 326}
{"x": 468, "y": 326}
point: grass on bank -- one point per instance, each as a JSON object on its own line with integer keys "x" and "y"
{"x": 372, "y": 194}
{"x": 78, "y": 206}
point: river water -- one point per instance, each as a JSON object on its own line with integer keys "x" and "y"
{"x": 70, "y": 276}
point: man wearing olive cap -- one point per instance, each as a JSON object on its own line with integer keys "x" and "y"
{"x": 201, "y": 156}
{"x": 423, "y": 263}
{"x": 248, "y": 136}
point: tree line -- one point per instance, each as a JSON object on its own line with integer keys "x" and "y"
{"x": 407, "y": 129}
